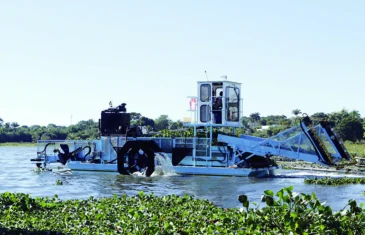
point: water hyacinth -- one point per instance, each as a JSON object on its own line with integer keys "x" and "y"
{"x": 285, "y": 212}
{"x": 334, "y": 181}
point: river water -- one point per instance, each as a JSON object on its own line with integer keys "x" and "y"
{"x": 18, "y": 175}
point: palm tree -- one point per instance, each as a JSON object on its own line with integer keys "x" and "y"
{"x": 296, "y": 112}
{"x": 14, "y": 125}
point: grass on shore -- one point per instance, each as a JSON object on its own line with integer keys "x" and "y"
{"x": 18, "y": 144}
{"x": 355, "y": 149}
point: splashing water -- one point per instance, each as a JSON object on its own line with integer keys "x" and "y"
{"x": 163, "y": 165}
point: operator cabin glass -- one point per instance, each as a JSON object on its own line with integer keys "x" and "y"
{"x": 205, "y": 97}
{"x": 232, "y": 103}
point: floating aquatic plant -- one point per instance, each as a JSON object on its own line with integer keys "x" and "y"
{"x": 334, "y": 181}
{"x": 285, "y": 212}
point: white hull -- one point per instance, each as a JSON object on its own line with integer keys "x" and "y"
{"x": 226, "y": 171}
{"x": 80, "y": 166}
{"x": 183, "y": 170}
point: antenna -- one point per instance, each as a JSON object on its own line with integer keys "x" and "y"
{"x": 206, "y": 75}
{"x": 71, "y": 119}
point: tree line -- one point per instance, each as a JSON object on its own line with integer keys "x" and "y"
{"x": 348, "y": 124}
{"x": 13, "y": 132}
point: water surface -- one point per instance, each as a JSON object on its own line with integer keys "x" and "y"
{"x": 17, "y": 175}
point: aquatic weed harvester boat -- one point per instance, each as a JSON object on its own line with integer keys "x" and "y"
{"x": 123, "y": 148}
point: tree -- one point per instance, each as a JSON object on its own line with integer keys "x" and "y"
{"x": 7, "y": 125}
{"x": 48, "y": 136}
{"x": 139, "y": 120}
{"x": 336, "y": 118}
{"x": 285, "y": 123}
{"x": 296, "y": 112}
{"x": 135, "y": 117}
{"x": 162, "y": 123}
{"x": 176, "y": 125}
{"x": 145, "y": 121}
{"x": 51, "y": 126}
{"x": 245, "y": 121}
{"x": 274, "y": 119}
{"x": 36, "y": 136}
{"x": 14, "y": 125}
{"x": 354, "y": 114}
{"x": 255, "y": 117}
{"x": 350, "y": 129}
{"x": 273, "y": 130}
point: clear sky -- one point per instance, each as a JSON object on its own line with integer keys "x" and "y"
{"x": 63, "y": 58}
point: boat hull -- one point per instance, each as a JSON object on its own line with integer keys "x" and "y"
{"x": 182, "y": 170}
{"x": 226, "y": 171}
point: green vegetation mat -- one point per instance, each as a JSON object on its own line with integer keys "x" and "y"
{"x": 334, "y": 181}
{"x": 285, "y": 212}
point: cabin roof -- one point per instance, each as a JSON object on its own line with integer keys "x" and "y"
{"x": 220, "y": 81}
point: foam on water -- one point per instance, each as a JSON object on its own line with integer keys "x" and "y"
{"x": 62, "y": 171}
{"x": 163, "y": 165}
{"x": 59, "y": 169}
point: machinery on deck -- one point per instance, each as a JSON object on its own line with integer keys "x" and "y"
{"x": 318, "y": 144}
{"x": 123, "y": 148}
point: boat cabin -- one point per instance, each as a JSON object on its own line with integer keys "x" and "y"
{"x": 218, "y": 103}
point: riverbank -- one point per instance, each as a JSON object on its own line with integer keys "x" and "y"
{"x": 18, "y": 144}
{"x": 301, "y": 165}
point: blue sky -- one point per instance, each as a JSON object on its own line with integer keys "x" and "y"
{"x": 63, "y": 58}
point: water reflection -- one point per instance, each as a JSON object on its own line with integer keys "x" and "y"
{"x": 16, "y": 175}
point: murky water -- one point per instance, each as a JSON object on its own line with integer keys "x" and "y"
{"x": 17, "y": 175}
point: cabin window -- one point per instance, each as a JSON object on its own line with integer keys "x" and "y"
{"x": 232, "y": 103}
{"x": 205, "y": 113}
{"x": 205, "y": 93}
